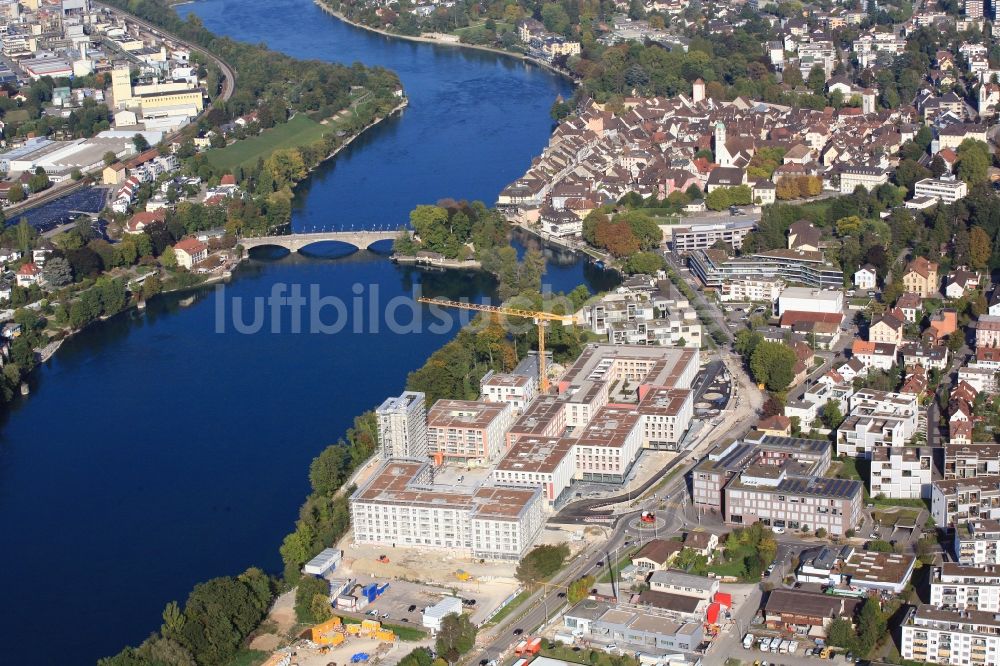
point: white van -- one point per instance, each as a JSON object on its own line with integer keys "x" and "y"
{"x": 747, "y": 641}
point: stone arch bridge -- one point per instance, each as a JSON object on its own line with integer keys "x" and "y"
{"x": 295, "y": 242}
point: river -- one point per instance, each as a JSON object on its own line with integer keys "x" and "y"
{"x": 155, "y": 450}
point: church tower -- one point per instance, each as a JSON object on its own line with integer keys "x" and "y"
{"x": 722, "y": 157}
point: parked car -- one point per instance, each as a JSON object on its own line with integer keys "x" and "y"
{"x": 412, "y": 608}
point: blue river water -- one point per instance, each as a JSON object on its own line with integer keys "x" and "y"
{"x": 161, "y": 449}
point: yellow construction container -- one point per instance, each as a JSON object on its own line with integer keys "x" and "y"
{"x": 385, "y": 635}
{"x": 370, "y": 626}
{"x": 333, "y": 639}
{"x": 353, "y": 629}
{"x": 462, "y": 575}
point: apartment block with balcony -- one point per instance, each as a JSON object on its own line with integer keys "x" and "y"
{"x": 954, "y": 501}
{"x": 977, "y": 542}
{"x": 957, "y": 586}
{"x": 966, "y": 461}
{"x": 960, "y": 637}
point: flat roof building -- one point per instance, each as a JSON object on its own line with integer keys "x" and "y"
{"x": 468, "y": 431}
{"x": 402, "y": 426}
{"x": 401, "y": 505}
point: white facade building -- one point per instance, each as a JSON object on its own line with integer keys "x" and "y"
{"x": 805, "y": 299}
{"x": 965, "y": 587}
{"x": 402, "y": 426}
{"x": 901, "y": 472}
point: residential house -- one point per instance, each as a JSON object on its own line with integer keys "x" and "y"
{"x": 921, "y": 277}
{"x": 190, "y": 251}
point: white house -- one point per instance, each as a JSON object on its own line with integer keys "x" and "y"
{"x": 866, "y": 278}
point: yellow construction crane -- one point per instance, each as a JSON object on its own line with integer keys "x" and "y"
{"x": 541, "y": 319}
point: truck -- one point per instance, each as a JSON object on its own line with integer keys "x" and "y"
{"x": 747, "y": 641}
{"x": 793, "y": 647}
{"x": 520, "y": 647}
{"x": 783, "y": 647}
{"x": 765, "y": 644}
{"x": 534, "y": 646}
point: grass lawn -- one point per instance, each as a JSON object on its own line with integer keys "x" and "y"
{"x": 511, "y": 607}
{"x": 299, "y": 131}
{"x": 248, "y": 657}
{"x": 734, "y": 567}
{"x": 405, "y": 633}
{"x": 893, "y": 517}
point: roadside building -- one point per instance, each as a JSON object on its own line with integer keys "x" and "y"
{"x": 807, "y": 614}
{"x": 400, "y": 505}
{"x": 656, "y": 555}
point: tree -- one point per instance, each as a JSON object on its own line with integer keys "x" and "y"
{"x": 580, "y": 589}
{"x": 973, "y": 161}
{"x": 980, "y": 248}
{"x": 831, "y": 416}
{"x": 308, "y": 589}
{"x": 39, "y": 180}
{"x": 140, "y": 143}
{"x": 841, "y": 634}
{"x": 647, "y": 263}
{"x": 817, "y": 80}
{"x": 57, "y": 272}
{"x": 76, "y": 174}
{"x": 110, "y": 158}
{"x": 168, "y": 258}
{"x": 772, "y": 364}
{"x": 541, "y": 563}
{"x": 16, "y": 193}
{"x": 456, "y": 637}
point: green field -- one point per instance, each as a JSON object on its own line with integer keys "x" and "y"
{"x": 299, "y": 131}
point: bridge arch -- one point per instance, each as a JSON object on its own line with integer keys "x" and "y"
{"x": 361, "y": 240}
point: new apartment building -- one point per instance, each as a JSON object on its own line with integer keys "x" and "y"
{"x": 402, "y": 426}
{"x": 977, "y": 542}
{"x": 516, "y": 390}
{"x": 957, "y": 586}
{"x": 965, "y": 461}
{"x": 714, "y": 268}
{"x": 751, "y": 290}
{"x": 538, "y": 462}
{"x": 954, "y": 501}
{"x": 702, "y": 236}
{"x": 876, "y": 419}
{"x": 902, "y": 472}
{"x": 941, "y": 636}
{"x": 468, "y": 431}
{"x": 401, "y": 505}
{"x": 787, "y": 497}
{"x": 729, "y": 459}
{"x": 609, "y": 445}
